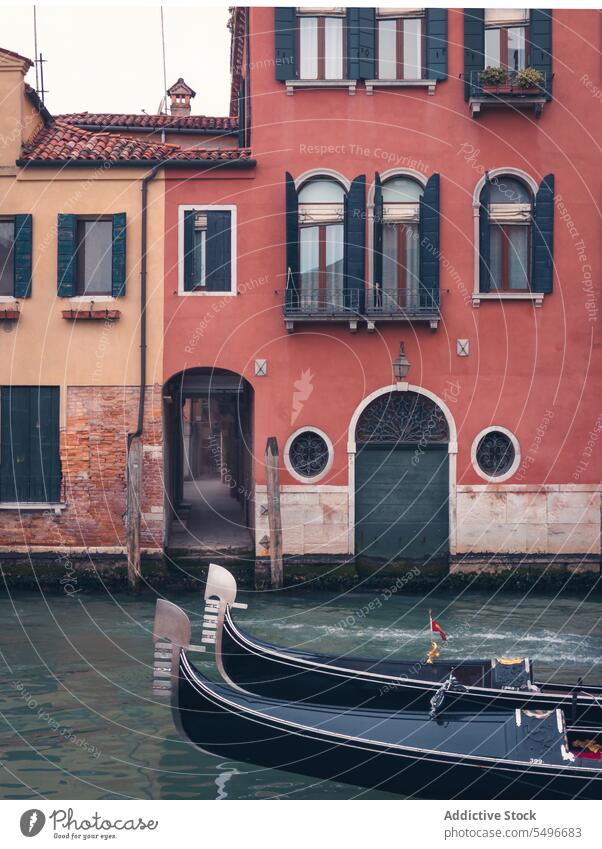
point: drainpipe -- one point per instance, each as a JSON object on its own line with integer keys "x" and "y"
{"x": 134, "y": 452}
{"x": 143, "y": 288}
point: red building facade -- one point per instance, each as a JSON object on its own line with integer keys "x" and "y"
{"x": 391, "y": 192}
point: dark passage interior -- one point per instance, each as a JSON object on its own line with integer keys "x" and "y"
{"x": 208, "y": 418}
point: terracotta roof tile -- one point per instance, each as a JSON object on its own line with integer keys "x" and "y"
{"x": 163, "y": 122}
{"x": 65, "y": 143}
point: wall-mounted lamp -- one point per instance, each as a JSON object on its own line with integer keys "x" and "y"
{"x": 401, "y": 365}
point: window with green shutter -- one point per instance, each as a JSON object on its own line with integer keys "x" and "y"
{"x": 516, "y": 229}
{"x": 511, "y": 39}
{"x": 208, "y": 260}
{"x": 7, "y": 256}
{"x": 30, "y": 465}
{"x": 16, "y": 256}
{"x": 91, "y": 255}
{"x": 405, "y": 247}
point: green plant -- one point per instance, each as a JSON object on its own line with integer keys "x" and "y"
{"x": 529, "y": 78}
{"x": 493, "y": 76}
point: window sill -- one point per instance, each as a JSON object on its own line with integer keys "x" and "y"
{"x": 200, "y": 293}
{"x": 536, "y": 298}
{"x": 291, "y": 85}
{"x": 33, "y": 506}
{"x": 91, "y": 299}
{"x": 372, "y": 84}
{"x": 91, "y": 315}
{"x": 8, "y": 302}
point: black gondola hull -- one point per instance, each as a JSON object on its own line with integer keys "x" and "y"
{"x": 240, "y": 727}
{"x": 279, "y": 673}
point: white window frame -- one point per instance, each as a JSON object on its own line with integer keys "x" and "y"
{"x": 207, "y": 207}
{"x": 287, "y": 460}
{"x": 536, "y": 298}
{"x": 517, "y": 457}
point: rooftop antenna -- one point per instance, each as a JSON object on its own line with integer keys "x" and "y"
{"x": 39, "y": 59}
{"x": 164, "y": 99}
{"x": 35, "y": 47}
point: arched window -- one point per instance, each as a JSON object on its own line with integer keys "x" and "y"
{"x": 321, "y": 243}
{"x": 506, "y": 223}
{"x": 399, "y": 282}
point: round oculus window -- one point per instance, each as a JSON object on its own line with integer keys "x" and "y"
{"x": 495, "y": 453}
{"x": 308, "y": 454}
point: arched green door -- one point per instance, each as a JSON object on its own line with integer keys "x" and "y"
{"x": 402, "y": 481}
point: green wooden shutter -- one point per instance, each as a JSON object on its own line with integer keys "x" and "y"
{"x": 377, "y": 234}
{"x": 436, "y": 44}
{"x": 16, "y": 431}
{"x": 30, "y": 469}
{"x": 543, "y": 237}
{"x": 484, "y": 243}
{"x": 292, "y": 241}
{"x": 45, "y": 473}
{"x": 189, "y": 281}
{"x": 355, "y": 245}
{"x": 429, "y": 244}
{"x": 67, "y": 249}
{"x": 285, "y": 22}
{"x": 474, "y": 45}
{"x": 218, "y": 251}
{"x": 23, "y": 256}
{"x": 540, "y": 38}
{"x": 118, "y": 257}
{"x": 361, "y": 51}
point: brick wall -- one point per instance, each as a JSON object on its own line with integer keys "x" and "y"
{"x": 93, "y": 457}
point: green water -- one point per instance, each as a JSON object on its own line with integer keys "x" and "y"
{"x": 78, "y": 719}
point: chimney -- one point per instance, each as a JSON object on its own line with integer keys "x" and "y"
{"x": 16, "y": 117}
{"x": 180, "y": 95}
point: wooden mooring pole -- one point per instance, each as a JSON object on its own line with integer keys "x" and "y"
{"x": 134, "y": 500}
{"x": 274, "y": 517}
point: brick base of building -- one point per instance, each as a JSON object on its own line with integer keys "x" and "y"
{"x": 91, "y": 514}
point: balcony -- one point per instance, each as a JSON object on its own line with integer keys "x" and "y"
{"x": 318, "y": 304}
{"x": 507, "y": 95}
{"x": 321, "y": 304}
{"x": 402, "y": 305}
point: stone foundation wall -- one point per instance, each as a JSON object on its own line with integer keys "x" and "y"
{"x": 93, "y": 489}
{"x": 315, "y": 519}
{"x": 549, "y": 519}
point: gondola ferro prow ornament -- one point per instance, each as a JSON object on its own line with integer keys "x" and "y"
{"x": 171, "y": 633}
{"x": 220, "y": 593}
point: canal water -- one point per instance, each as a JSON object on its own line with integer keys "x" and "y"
{"x": 78, "y": 719}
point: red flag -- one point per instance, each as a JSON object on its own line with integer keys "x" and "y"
{"x": 437, "y": 629}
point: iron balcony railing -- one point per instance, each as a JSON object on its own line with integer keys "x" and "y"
{"x": 411, "y": 303}
{"x": 509, "y": 89}
{"x": 314, "y": 302}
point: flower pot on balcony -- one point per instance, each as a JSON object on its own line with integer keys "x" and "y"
{"x": 502, "y": 88}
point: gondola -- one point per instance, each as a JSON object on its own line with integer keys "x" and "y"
{"x": 348, "y": 681}
{"x": 516, "y": 755}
